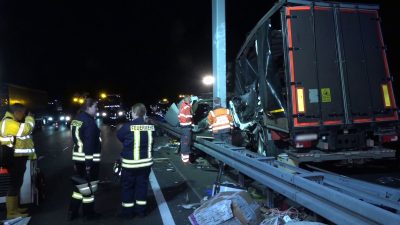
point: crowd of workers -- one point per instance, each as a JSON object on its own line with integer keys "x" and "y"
{"x": 136, "y": 137}
{"x": 220, "y": 123}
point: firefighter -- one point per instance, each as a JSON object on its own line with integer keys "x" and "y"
{"x": 136, "y": 156}
{"x": 220, "y": 122}
{"x": 86, "y": 157}
{"x": 185, "y": 121}
{"x": 16, "y": 146}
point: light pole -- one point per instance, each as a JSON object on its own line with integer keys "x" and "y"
{"x": 219, "y": 50}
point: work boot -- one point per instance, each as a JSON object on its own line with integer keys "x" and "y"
{"x": 20, "y": 210}
{"x": 185, "y": 159}
{"x": 12, "y": 205}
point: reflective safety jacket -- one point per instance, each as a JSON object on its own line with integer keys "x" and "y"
{"x": 185, "y": 114}
{"x": 17, "y": 135}
{"x": 86, "y": 138}
{"x": 137, "y": 140}
{"x": 220, "y": 119}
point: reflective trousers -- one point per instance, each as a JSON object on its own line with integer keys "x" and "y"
{"x": 186, "y": 140}
{"x": 77, "y": 199}
{"x": 134, "y": 184}
{"x": 16, "y": 167}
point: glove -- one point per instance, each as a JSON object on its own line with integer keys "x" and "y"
{"x": 117, "y": 167}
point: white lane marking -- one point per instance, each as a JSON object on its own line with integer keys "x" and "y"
{"x": 66, "y": 148}
{"x": 162, "y": 204}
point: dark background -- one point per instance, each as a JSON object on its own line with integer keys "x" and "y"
{"x": 144, "y": 50}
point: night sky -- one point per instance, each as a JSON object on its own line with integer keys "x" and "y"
{"x": 143, "y": 50}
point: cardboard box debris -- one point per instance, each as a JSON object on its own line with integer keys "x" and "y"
{"x": 227, "y": 208}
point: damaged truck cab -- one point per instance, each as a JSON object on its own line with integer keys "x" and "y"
{"x": 312, "y": 80}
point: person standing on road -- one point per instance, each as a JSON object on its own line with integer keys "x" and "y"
{"x": 16, "y": 146}
{"x": 220, "y": 122}
{"x": 137, "y": 139}
{"x": 185, "y": 121}
{"x": 86, "y": 157}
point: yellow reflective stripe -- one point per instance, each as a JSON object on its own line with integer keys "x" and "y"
{"x": 88, "y": 199}
{"x": 77, "y": 195}
{"x": 130, "y": 161}
{"x": 130, "y": 166}
{"x": 79, "y": 154}
{"x": 386, "y": 96}
{"x": 3, "y": 126}
{"x": 77, "y": 158}
{"x": 80, "y": 144}
{"x": 149, "y": 143}
{"x": 88, "y": 156}
{"x": 300, "y": 100}
{"x": 21, "y": 129}
{"x": 141, "y": 202}
{"x": 96, "y": 157}
{"x": 277, "y": 111}
{"x": 24, "y": 137}
{"x": 127, "y": 205}
{"x": 4, "y": 139}
{"x": 136, "y": 145}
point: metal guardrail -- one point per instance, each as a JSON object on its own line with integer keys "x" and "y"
{"x": 339, "y": 199}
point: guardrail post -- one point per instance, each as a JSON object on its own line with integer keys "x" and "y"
{"x": 241, "y": 179}
{"x": 270, "y": 197}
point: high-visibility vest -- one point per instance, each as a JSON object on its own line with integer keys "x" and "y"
{"x": 219, "y": 119}
{"x": 137, "y": 140}
{"x": 17, "y": 135}
{"x": 185, "y": 114}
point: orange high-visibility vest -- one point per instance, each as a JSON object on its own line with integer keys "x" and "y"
{"x": 220, "y": 119}
{"x": 185, "y": 114}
